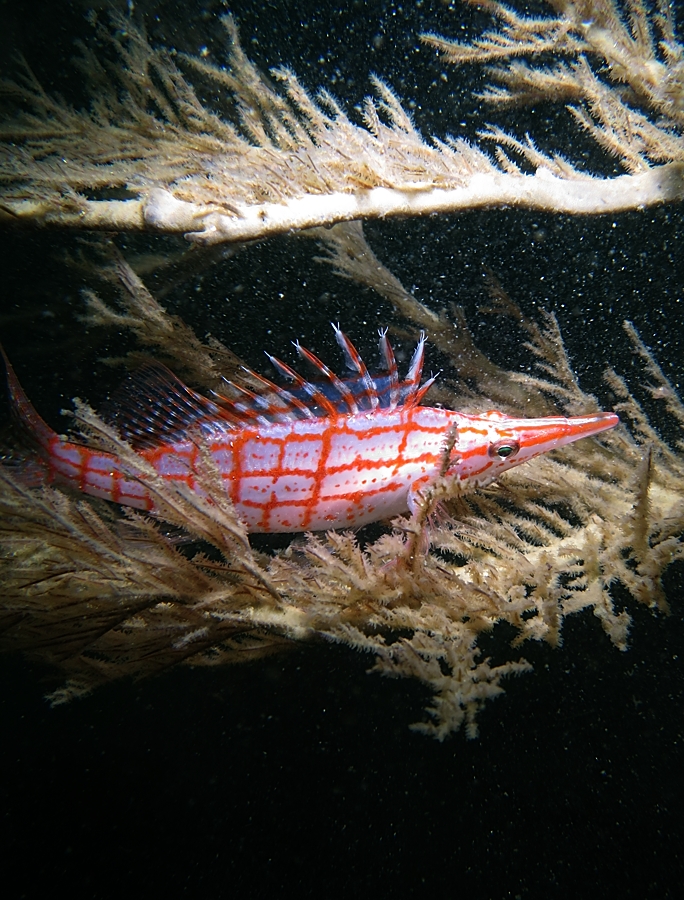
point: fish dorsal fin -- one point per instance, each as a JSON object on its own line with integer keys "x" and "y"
{"x": 153, "y": 406}
{"x": 275, "y": 405}
{"x": 334, "y": 396}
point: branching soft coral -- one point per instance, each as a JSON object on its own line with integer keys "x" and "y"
{"x": 103, "y": 595}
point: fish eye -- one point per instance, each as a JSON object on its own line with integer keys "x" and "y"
{"x": 504, "y": 449}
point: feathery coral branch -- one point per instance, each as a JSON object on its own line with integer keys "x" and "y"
{"x": 149, "y": 155}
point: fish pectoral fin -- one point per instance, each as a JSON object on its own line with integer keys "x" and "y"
{"x": 417, "y": 493}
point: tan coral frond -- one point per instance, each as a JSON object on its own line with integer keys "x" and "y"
{"x": 271, "y": 161}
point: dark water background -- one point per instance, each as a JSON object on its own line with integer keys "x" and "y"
{"x": 300, "y": 773}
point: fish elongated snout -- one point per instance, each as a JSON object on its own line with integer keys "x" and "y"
{"x": 586, "y": 426}
{"x": 543, "y": 434}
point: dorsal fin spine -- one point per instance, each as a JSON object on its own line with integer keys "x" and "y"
{"x": 327, "y": 373}
{"x": 391, "y": 367}
{"x": 417, "y": 396}
{"x": 413, "y": 376}
{"x": 356, "y": 364}
{"x": 318, "y": 398}
{"x": 294, "y": 403}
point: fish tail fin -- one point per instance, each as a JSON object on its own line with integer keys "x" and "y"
{"x": 30, "y": 431}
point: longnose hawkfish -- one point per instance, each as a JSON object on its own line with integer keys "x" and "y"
{"x": 327, "y": 454}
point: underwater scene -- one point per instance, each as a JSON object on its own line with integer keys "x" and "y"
{"x": 396, "y": 602}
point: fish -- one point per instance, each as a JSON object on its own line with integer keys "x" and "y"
{"x": 317, "y": 455}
